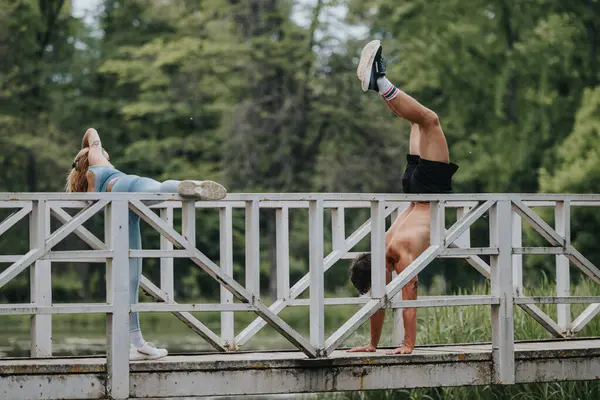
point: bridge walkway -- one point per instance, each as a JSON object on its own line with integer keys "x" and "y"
{"x": 191, "y": 376}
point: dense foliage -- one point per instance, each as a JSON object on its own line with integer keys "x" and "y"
{"x": 262, "y": 95}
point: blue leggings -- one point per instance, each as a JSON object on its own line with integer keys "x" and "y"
{"x": 134, "y": 183}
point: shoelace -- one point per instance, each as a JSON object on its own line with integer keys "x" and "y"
{"x": 381, "y": 64}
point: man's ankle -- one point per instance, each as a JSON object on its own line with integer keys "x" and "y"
{"x": 387, "y": 89}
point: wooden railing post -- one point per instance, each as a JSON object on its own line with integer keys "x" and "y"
{"x": 378, "y": 266}
{"x": 166, "y": 264}
{"x": 563, "y": 279}
{"x": 338, "y": 227}
{"x": 316, "y": 275}
{"x": 398, "y": 326}
{"x": 188, "y": 221}
{"x": 253, "y": 248}
{"x": 282, "y": 233}
{"x": 437, "y": 223}
{"x": 503, "y": 346}
{"x": 41, "y": 281}
{"x": 226, "y": 261}
{"x": 517, "y": 259}
{"x": 117, "y": 293}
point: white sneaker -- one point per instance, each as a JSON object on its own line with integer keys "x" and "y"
{"x": 147, "y": 352}
{"x": 365, "y": 65}
{"x": 202, "y": 190}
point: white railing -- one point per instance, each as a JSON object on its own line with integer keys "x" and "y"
{"x": 506, "y": 212}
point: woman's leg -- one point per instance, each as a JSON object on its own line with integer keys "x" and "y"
{"x": 125, "y": 184}
{"x": 201, "y": 190}
{"x": 148, "y": 185}
{"x": 142, "y": 349}
{"x": 135, "y": 275}
{"x": 170, "y": 186}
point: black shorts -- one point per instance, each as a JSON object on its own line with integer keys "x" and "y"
{"x": 425, "y": 176}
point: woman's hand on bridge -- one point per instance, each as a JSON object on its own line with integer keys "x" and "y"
{"x": 368, "y": 349}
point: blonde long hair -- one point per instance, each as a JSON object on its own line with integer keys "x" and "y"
{"x": 77, "y": 178}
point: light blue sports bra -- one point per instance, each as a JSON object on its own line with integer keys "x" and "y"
{"x": 103, "y": 175}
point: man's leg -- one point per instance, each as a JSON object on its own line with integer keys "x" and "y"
{"x": 432, "y": 143}
{"x": 415, "y": 138}
{"x": 431, "y": 140}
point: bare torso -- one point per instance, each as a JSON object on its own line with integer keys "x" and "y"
{"x": 408, "y": 237}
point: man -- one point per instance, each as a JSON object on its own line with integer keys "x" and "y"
{"x": 428, "y": 171}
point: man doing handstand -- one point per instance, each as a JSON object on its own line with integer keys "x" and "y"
{"x": 428, "y": 170}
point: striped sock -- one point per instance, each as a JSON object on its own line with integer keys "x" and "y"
{"x": 387, "y": 89}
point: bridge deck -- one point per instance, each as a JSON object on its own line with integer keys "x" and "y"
{"x": 291, "y": 372}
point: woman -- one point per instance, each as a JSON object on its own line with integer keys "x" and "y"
{"x": 92, "y": 172}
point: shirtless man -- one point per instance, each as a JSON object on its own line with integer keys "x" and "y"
{"x": 428, "y": 170}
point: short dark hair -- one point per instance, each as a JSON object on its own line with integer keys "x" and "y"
{"x": 360, "y": 273}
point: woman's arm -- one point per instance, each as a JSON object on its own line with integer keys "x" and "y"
{"x": 91, "y": 136}
{"x": 91, "y": 178}
{"x": 86, "y": 137}
{"x": 96, "y": 155}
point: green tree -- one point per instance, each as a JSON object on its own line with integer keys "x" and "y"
{"x": 35, "y": 48}
{"x": 577, "y": 170}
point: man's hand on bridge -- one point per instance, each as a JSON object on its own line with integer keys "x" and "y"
{"x": 368, "y": 349}
{"x": 400, "y": 350}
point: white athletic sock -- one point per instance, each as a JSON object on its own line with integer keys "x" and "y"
{"x": 387, "y": 89}
{"x": 136, "y": 339}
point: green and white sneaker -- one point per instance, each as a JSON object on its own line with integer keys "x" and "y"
{"x": 371, "y": 66}
{"x": 202, "y": 190}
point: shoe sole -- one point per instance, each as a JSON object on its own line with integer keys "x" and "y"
{"x": 203, "y": 190}
{"x": 365, "y": 65}
{"x": 146, "y": 358}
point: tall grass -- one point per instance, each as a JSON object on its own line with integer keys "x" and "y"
{"x": 444, "y": 325}
{"x": 538, "y": 391}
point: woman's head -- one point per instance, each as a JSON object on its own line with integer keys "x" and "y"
{"x": 77, "y": 179}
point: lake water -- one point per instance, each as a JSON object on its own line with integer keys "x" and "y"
{"x": 16, "y": 342}
{"x": 82, "y": 335}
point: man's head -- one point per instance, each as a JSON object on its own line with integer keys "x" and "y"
{"x": 360, "y": 273}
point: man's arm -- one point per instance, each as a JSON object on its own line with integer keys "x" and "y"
{"x": 409, "y": 315}
{"x": 377, "y": 326}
